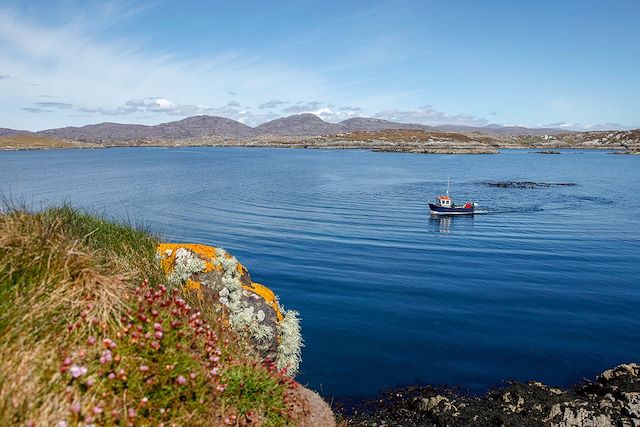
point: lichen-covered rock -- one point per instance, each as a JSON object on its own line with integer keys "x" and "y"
{"x": 252, "y": 309}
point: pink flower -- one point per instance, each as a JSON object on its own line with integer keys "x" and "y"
{"x": 157, "y": 326}
{"x": 90, "y": 381}
{"x": 158, "y": 334}
{"x": 108, "y": 343}
{"x": 106, "y": 357}
{"x": 214, "y": 372}
{"x": 221, "y": 388}
{"x": 67, "y": 361}
{"x": 91, "y": 340}
{"x": 143, "y": 368}
{"x": 144, "y": 400}
{"x": 111, "y": 376}
{"x": 131, "y": 413}
{"x": 75, "y": 407}
{"x": 77, "y": 371}
{"x": 181, "y": 380}
{"x": 155, "y": 345}
{"x": 97, "y": 410}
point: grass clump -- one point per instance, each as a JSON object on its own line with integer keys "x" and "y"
{"x": 82, "y": 341}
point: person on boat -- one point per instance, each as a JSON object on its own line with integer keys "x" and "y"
{"x": 467, "y": 205}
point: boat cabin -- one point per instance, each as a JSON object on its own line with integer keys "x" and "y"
{"x": 444, "y": 201}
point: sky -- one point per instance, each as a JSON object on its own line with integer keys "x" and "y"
{"x": 562, "y": 63}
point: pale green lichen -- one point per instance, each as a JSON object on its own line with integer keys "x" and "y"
{"x": 186, "y": 263}
{"x": 290, "y": 345}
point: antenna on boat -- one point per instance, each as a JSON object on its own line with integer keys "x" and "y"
{"x": 448, "y": 179}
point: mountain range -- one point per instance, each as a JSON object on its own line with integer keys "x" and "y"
{"x": 295, "y": 125}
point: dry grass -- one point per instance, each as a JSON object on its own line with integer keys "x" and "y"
{"x": 28, "y": 141}
{"x": 46, "y": 281}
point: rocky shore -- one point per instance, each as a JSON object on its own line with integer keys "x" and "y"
{"x": 612, "y": 399}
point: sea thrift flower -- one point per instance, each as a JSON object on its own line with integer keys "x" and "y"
{"x": 111, "y": 376}
{"x": 90, "y": 381}
{"x": 97, "y": 410}
{"x": 157, "y": 326}
{"x": 106, "y": 357}
{"x": 181, "y": 380}
{"x": 155, "y": 345}
{"x": 75, "y": 407}
{"x": 67, "y": 361}
{"x": 158, "y": 334}
{"x": 143, "y": 368}
{"x": 131, "y": 413}
{"x": 77, "y": 371}
{"x": 108, "y": 343}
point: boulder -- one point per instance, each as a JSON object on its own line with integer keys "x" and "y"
{"x": 252, "y": 309}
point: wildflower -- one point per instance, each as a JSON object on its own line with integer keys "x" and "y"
{"x": 157, "y": 326}
{"x": 62, "y": 424}
{"x": 67, "y": 361}
{"x": 181, "y": 380}
{"x": 143, "y": 368}
{"x": 106, "y": 357}
{"x": 193, "y": 375}
{"x": 158, "y": 334}
{"x": 111, "y": 376}
{"x": 108, "y": 343}
{"x": 221, "y": 387}
{"x": 214, "y": 372}
{"x": 74, "y": 408}
{"x": 144, "y": 400}
{"x": 90, "y": 381}
{"x": 155, "y": 345}
{"x": 131, "y": 413}
{"x": 214, "y": 358}
{"x": 97, "y": 410}
{"x": 77, "y": 371}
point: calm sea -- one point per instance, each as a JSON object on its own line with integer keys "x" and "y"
{"x": 545, "y": 285}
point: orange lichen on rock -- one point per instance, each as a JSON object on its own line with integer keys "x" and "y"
{"x": 267, "y": 295}
{"x": 204, "y": 252}
{"x": 207, "y": 254}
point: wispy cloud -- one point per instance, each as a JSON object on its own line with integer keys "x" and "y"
{"x": 586, "y": 127}
{"x": 36, "y": 110}
{"x": 272, "y": 104}
{"x": 428, "y": 115}
{"x": 51, "y": 104}
{"x": 5, "y": 77}
{"x": 300, "y": 107}
{"x": 99, "y": 77}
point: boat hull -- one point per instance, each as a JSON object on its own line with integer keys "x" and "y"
{"x": 440, "y": 210}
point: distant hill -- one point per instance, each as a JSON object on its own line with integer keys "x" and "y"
{"x": 296, "y": 125}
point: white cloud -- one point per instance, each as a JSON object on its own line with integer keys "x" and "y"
{"x": 74, "y": 62}
{"x": 428, "y": 115}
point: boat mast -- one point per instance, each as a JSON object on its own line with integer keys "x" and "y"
{"x": 448, "y": 179}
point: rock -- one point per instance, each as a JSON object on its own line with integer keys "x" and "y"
{"x": 319, "y": 414}
{"x": 432, "y": 403}
{"x": 252, "y": 309}
{"x": 583, "y": 418}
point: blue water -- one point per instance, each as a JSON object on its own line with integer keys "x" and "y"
{"x": 545, "y": 285}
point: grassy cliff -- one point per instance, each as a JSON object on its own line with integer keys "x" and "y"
{"x": 90, "y": 334}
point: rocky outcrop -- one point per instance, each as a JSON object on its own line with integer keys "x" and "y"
{"x": 613, "y": 399}
{"x": 251, "y": 309}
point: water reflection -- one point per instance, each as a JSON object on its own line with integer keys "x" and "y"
{"x": 444, "y": 223}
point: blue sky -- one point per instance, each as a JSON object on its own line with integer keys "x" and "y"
{"x": 563, "y": 63}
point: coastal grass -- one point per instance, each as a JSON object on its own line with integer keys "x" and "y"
{"x": 90, "y": 335}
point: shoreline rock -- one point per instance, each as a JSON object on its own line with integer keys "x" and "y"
{"x": 612, "y": 399}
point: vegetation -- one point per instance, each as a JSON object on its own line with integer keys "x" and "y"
{"x": 28, "y": 141}
{"x": 84, "y": 339}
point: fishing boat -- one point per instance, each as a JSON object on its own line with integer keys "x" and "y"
{"x": 444, "y": 206}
